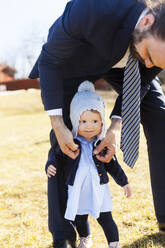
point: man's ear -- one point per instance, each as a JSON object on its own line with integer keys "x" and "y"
{"x": 146, "y": 22}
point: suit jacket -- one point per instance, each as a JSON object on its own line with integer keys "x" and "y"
{"x": 68, "y": 167}
{"x": 88, "y": 39}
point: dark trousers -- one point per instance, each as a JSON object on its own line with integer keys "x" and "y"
{"x": 153, "y": 121}
{"x": 106, "y": 222}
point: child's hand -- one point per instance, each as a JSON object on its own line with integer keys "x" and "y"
{"x": 127, "y": 190}
{"x": 51, "y": 171}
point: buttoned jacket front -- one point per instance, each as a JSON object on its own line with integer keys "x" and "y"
{"x": 69, "y": 166}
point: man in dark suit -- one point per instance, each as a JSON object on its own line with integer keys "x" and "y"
{"x": 86, "y": 43}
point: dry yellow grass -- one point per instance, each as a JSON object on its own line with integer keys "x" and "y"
{"x": 24, "y": 130}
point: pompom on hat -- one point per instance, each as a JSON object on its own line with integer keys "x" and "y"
{"x": 86, "y": 99}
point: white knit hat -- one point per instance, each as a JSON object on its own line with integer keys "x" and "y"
{"x": 86, "y": 99}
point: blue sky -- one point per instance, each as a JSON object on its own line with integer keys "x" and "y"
{"x": 23, "y": 27}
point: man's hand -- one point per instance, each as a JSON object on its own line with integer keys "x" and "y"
{"x": 111, "y": 142}
{"x": 64, "y": 137}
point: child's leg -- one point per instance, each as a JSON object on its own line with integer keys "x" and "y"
{"x": 82, "y": 225}
{"x": 110, "y": 229}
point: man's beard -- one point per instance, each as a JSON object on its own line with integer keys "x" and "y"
{"x": 137, "y": 36}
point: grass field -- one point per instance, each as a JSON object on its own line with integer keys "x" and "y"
{"x": 24, "y": 131}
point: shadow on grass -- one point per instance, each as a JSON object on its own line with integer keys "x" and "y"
{"x": 155, "y": 239}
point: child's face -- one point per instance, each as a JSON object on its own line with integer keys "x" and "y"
{"x": 90, "y": 125}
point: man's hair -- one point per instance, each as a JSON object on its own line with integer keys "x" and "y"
{"x": 157, "y": 8}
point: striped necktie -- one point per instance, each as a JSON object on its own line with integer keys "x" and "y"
{"x": 130, "y": 134}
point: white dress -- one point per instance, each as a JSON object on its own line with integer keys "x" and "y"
{"x": 87, "y": 195}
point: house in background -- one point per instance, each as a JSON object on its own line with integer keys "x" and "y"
{"x": 6, "y": 73}
{"x": 8, "y": 81}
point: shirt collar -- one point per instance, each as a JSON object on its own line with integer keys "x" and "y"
{"x": 141, "y": 16}
{"x": 84, "y": 141}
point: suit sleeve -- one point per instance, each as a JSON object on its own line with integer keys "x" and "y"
{"x": 59, "y": 47}
{"x": 115, "y": 170}
{"x": 64, "y": 38}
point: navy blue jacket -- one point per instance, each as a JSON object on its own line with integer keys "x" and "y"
{"x": 88, "y": 39}
{"x": 68, "y": 167}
